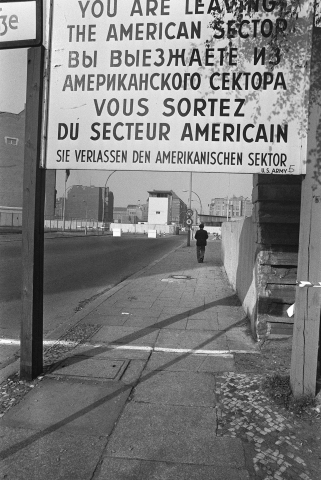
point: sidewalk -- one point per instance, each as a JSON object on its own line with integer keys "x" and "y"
{"x": 145, "y": 386}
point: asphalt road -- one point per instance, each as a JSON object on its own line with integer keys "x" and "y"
{"x": 76, "y": 270}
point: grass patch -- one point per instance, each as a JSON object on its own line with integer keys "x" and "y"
{"x": 278, "y": 387}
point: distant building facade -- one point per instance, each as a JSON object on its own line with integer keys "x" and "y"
{"x": 131, "y": 214}
{"x": 144, "y": 212}
{"x": 88, "y": 203}
{"x": 231, "y": 207}
{"x": 12, "y": 142}
{"x": 119, "y": 214}
{"x": 165, "y": 207}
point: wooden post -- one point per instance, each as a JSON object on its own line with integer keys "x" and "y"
{"x": 31, "y": 364}
{"x": 308, "y": 300}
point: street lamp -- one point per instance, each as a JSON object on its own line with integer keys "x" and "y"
{"x": 198, "y": 199}
{"x": 104, "y": 199}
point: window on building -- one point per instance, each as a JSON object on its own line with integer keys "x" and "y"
{"x": 11, "y": 140}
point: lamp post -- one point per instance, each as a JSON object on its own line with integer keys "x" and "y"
{"x": 104, "y": 199}
{"x": 198, "y": 200}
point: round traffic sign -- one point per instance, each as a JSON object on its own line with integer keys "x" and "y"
{"x": 189, "y": 221}
{"x": 189, "y": 212}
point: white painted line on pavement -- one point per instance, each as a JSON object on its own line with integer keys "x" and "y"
{"x": 224, "y": 353}
{"x": 143, "y": 348}
{"x": 10, "y": 341}
{"x": 213, "y": 353}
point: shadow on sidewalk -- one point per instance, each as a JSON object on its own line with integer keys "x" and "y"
{"x": 226, "y": 301}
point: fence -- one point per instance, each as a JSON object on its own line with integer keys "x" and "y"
{"x": 144, "y": 228}
{"x": 73, "y": 225}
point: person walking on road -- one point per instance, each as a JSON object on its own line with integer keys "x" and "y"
{"x": 201, "y": 236}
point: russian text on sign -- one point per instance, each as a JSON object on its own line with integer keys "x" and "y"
{"x": 160, "y": 76}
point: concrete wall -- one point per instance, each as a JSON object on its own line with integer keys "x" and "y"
{"x": 210, "y": 230}
{"x": 56, "y": 224}
{"x": 239, "y": 259}
{"x": 260, "y": 254}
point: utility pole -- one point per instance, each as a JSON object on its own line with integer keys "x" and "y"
{"x": 308, "y": 299}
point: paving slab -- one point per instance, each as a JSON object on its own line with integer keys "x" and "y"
{"x": 69, "y": 406}
{"x": 192, "y": 339}
{"x": 173, "y": 434}
{"x": 7, "y": 352}
{"x": 136, "y": 321}
{"x": 209, "y": 314}
{"x": 202, "y": 324}
{"x": 126, "y": 335}
{"x": 139, "y": 311}
{"x": 172, "y": 311}
{"x": 133, "y": 372}
{"x": 216, "y": 364}
{"x": 191, "y": 362}
{"x": 101, "y": 319}
{"x": 83, "y": 366}
{"x": 174, "y": 362}
{"x": 119, "y": 352}
{"x": 119, "y": 469}
{"x": 172, "y": 322}
{"x": 132, "y": 304}
{"x": 26, "y": 454}
{"x": 176, "y": 388}
{"x": 239, "y": 339}
{"x": 124, "y": 469}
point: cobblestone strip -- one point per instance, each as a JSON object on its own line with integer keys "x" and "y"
{"x": 244, "y": 411}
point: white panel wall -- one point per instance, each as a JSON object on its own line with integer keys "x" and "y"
{"x": 158, "y": 210}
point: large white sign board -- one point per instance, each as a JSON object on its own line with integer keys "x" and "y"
{"x": 165, "y": 85}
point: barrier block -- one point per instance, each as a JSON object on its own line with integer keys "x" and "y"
{"x": 117, "y": 232}
{"x": 152, "y": 233}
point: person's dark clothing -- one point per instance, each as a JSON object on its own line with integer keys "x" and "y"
{"x": 201, "y": 236}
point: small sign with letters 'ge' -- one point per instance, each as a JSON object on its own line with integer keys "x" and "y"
{"x": 20, "y": 23}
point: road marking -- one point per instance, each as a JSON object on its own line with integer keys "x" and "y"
{"x": 217, "y": 353}
{"x": 143, "y": 348}
{"x": 11, "y": 341}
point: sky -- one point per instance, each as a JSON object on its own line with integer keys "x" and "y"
{"x": 128, "y": 187}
